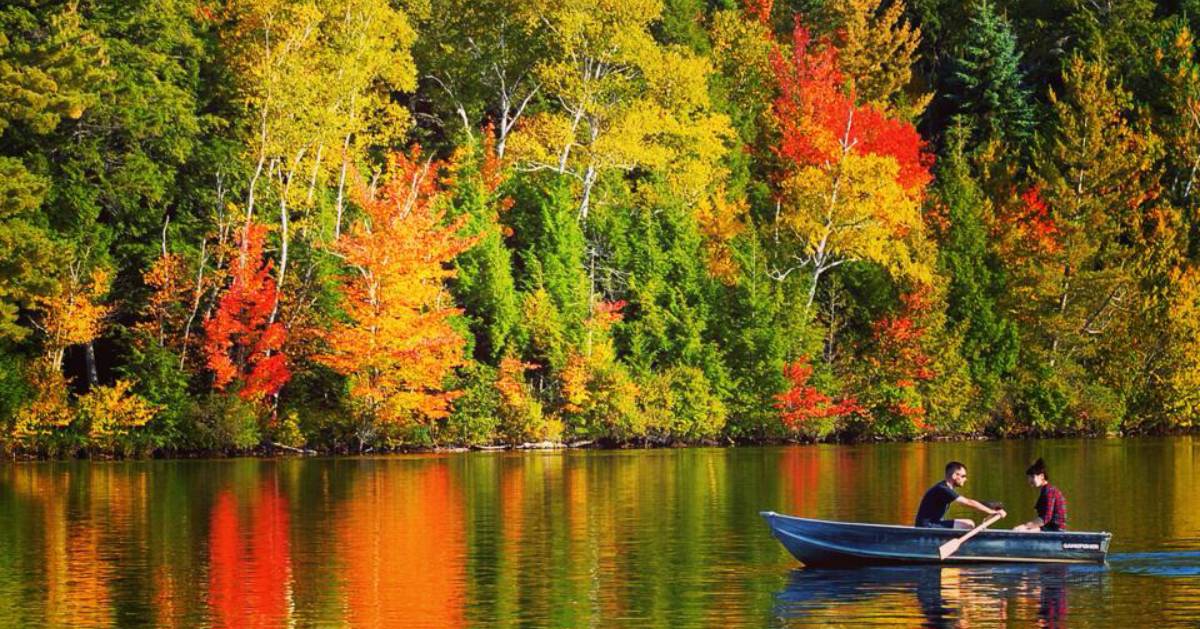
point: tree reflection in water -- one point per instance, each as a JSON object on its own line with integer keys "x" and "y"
{"x": 945, "y": 596}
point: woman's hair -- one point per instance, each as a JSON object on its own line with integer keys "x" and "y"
{"x": 1038, "y": 467}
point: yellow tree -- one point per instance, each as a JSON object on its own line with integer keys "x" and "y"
{"x": 741, "y": 53}
{"x": 113, "y": 411}
{"x": 876, "y": 50}
{"x": 48, "y": 408}
{"x": 599, "y": 396}
{"x": 396, "y": 344}
{"x": 1181, "y": 377}
{"x": 1094, "y": 176}
{"x": 1156, "y": 361}
{"x": 854, "y": 176}
{"x": 368, "y": 58}
{"x": 74, "y": 314}
{"x": 315, "y": 78}
{"x": 621, "y": 101}
{"x": 478, "y": 56}
{"x": 1180, "y": 127}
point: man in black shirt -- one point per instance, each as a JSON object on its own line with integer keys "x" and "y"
{"x": 938, "y": 499}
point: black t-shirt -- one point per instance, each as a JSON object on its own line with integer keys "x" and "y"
{"x": 935, "y": 503}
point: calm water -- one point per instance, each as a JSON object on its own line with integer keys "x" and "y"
{"x": 660, "y": 537}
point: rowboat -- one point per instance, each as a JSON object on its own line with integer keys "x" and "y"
{"x": 828, "y": 543}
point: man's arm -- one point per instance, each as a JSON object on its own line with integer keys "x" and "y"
{"x": 975, "y": 504}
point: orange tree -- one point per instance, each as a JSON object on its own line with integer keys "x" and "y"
{"x": 396, "y": 344}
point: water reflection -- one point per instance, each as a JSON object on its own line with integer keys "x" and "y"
{"x": 937, "y": 596}
{"x": 654, "y": 538}
{"x": 250, "y": 558}
{"x": 400, "y": 541}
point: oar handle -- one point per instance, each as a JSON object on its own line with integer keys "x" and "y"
{"x": 983, "y": 525}
{"x": 950, "y": 547}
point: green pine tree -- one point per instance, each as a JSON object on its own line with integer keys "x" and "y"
{"x": 989, "y": 340}
{"x": 484, "y": 283}
{"x": 986, "y": 85}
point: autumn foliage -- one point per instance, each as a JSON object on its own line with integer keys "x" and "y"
{"x": 851, "y": 177}
{"x": 1033, "y": 225}
{"x": 898, "y": 340}
{"x": 672, "y": 201}
{"x": 721, "y": 221}
{"x": 243, "y": 340}
{"x": 76, "y": 312}
{"x": 898, "y": 361}
{"x": 50, "y": 406}
{"x": 802, "y": 403}
{"x": 760, "y": 10}
{"x": 115, "y": 410}
{"x": 819, "y": 118}
{"x": 165, "y": 278}
{"x": 397, "y": 345}
{"x": 520, "y": 411}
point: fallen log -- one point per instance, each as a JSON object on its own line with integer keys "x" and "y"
{"x": 304, "y": 451}
{"x": 541, "y": 445}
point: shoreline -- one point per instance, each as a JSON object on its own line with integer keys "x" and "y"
{"x": 277, "y": 450}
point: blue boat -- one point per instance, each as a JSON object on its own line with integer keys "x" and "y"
{"x": 828, "y": 543}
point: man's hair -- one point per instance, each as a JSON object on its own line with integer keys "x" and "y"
{"x": 1038, "y": 467}
{"x": 954, "y": 466}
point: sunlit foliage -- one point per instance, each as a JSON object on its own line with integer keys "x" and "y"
{"x": 397, "y": 346}
{"x": 628, "y": 222}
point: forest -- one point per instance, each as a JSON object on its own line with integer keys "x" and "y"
{"x": 371, "y": 225}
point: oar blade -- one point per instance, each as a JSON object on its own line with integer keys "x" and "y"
{"x": 949, "y": 548}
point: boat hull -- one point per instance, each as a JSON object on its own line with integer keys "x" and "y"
{"x": 825, "y": 543}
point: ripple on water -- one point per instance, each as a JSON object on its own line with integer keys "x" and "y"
{"x": 1182, "y": 563}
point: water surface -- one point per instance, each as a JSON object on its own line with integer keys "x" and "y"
{"x": 597, "y": 538}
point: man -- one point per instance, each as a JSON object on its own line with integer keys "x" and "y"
{"x": 1051, "y": 506}
{"x": 938, "y": 499}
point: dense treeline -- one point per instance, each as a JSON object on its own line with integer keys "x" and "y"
{"x": 354, "y": 224}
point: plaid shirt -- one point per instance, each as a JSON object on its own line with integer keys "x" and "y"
{"x": 1052, "y": 508}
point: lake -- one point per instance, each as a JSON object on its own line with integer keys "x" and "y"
{"x": 579, "y": 538}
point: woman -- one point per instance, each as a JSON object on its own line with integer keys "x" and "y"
{"x": 1051, "y": 506}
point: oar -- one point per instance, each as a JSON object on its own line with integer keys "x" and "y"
{"x": 951, "y": 547}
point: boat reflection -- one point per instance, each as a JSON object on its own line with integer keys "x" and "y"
{"x": 945, "y": 596}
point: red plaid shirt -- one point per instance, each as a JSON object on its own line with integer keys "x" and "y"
{"x": 1051, "y": 507}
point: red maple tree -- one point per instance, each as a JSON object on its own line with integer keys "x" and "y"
{"x": 899, "y": 356}
{"x": 242, "y": 343}
{"x": 760, "y": 10}
{"x": 1034, "y": 224}
{"x": 803, "y": 403}
{"x": 819, "y": 118}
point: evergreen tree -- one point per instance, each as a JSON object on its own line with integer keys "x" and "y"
{"x": 484, "y": 283}
{"x": 985, "y": 84}
{"x": 550, "y": 269}
{"x": 47, "y": 77}
{"x": 989, "y": 339}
